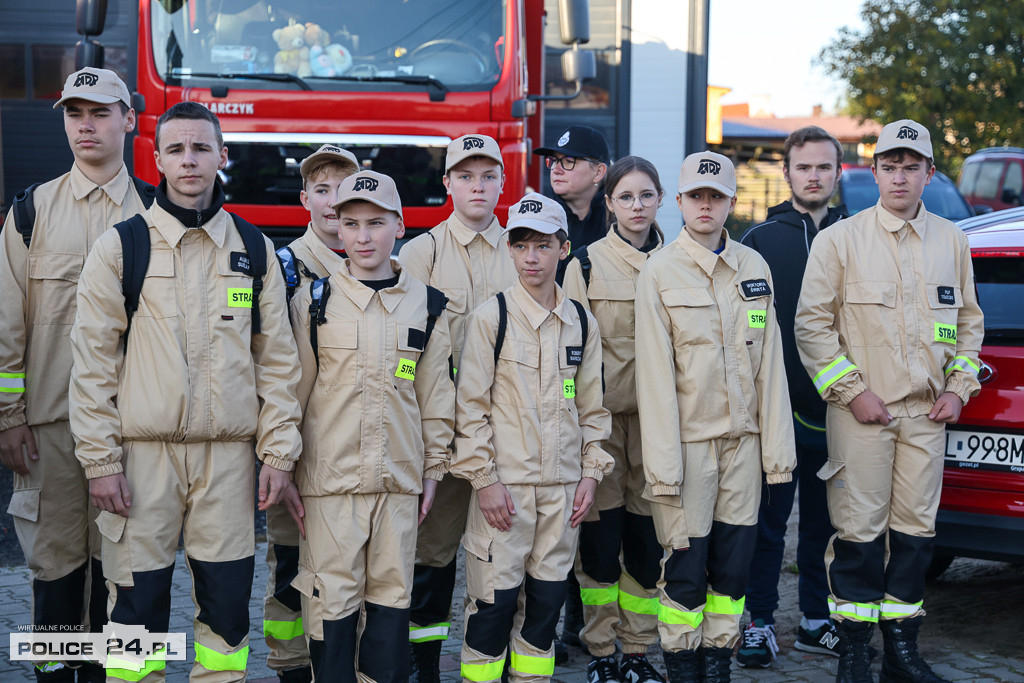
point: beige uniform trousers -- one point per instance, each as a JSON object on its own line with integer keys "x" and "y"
{"x": 282, "y": 616}
{"x": 204, "y": 489}
{"x": 721, "y": 486}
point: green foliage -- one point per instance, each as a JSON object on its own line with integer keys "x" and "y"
{"x": 956, "y": 66}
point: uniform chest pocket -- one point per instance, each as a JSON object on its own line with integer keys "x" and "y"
{"x": 612, "y": 304}
{"x": 870, "y": 314}
{"x": 693, "y": 314}
{"x": 56, "y": 284}
{"x": 412, "y": 340}
{"x": 516, "y": 374}
{"x": 755, "y": 314}
{"x": 458, "y": 300}
{"x": 338, "y": 343}
{"x": 235, "y": 291}
{"x": 158, "y": 298}
{"x": 945, "y": 302}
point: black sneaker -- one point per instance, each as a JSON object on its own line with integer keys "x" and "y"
{"x": 824, "y": 640}
{"x": 603, "y": 670}
{"x": 759, "y": 647}
{"x": 635, "y": 668}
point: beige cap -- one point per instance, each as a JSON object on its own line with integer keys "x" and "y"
{"x": 537, "y": 212}
{"x": 905, "y": 134}
{"x": 472, "y": 145}
{"x": 95, "y": 85}
{"x": 707, "y": 169}
{"x": 372, "y": 187}
{"x": 332, "y": 152}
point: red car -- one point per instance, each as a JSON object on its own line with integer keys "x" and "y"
{"x": 981, "y": 513}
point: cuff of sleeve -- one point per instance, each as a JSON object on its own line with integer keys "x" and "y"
{"x": 593, "y": 473}
{"x": 962, "y": 389}
{"x": 97, "y": 471}
{"x": 283, "y": 464}
{"x": 15, "y": 420}
{"x": 486, "y": 480}
{"x": 436, "y": 473}
{"x": 664, "y": 490}
{"x": 778, "y": 478}
{"x": 847, "y": 394}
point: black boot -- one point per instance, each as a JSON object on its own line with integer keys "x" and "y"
{"x": 91, "y": 673}
{"x": 902, "y": 661}
{"x": 425, "y": 662}
{"x": 299, "y": 674}
{"x": 717, "y": 664}
{"x": 65, "y": 674}
{"x": 855, "y": 660}
{"x": 683, "y": 666}
{"x": 573, "y": 622}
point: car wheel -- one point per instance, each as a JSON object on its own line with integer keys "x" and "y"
{"x": 940, "y": 563}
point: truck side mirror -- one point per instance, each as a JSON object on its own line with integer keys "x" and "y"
{"x": 574, "y": 21}
{"x": 578, "y": 65}
{"x": 90, "y": 16}
{"x": 88, "y": 53}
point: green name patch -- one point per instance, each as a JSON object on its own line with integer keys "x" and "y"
{"x": 757, "y": 318}
{"x": 406, "y": 369}
{"x": 945, "y": 333}
{"x": 240, "y": 297}
{"x": 569, "y": 388}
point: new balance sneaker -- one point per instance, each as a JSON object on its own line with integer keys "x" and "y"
{"x": 603, "y": 670}
{"x": 759, "y": 647}
{"x": 635, "y": 668}
{"x": 824, "y": 640}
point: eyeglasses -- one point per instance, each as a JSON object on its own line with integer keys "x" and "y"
{"x": 647, "y": 199}
{"x": 567, "y": 163}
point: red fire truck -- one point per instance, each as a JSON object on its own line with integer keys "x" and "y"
{"x": 394, "y": 81}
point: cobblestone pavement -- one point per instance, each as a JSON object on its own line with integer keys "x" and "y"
{"x": 973, "y": 633}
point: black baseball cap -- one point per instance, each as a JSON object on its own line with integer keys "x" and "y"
{"x": 579, "y": 141}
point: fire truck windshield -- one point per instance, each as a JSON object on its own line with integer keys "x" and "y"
{"x": 371, "y": 45}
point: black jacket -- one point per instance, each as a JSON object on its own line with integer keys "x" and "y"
{"x": 784, "y": 240}
{"x": 590, "y": 229}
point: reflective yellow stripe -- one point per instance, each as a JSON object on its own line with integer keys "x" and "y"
{"x": 422, "y": 634}
{"x": 12, "y": 383}
{"x": 858, "y": 611}
{"x": 723, "y": 604}
{"x": 964, "y": 364}
{"x": 600, "y": 596}
{"x": 636, "y": 604}
{"x": 807, "y": 424}
{"x": 151, "y": 666}
{"x": 945, "y": 333}
{"x": 488, "y": 671}
{"x": 283, "y": 630}
{"x": 538, "y": 666}
{"x": 897, "y": 610}
{"x": 671, "y": 615}
{"x": 217, "y": 661}
{"x": 49, "y": 667}
{"x": 835, "y": 370}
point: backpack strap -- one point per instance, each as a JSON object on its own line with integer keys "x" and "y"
{"x": 585, "y": 266}
{"x": 147, "y": 193}
{"x": 584, "y": 322}
{"x": 289, "y": 269}
{"x": 436, "y": 303}
{"x": 499, "y": 339}
{"x": 321, "y": 292}
{"x": 256, "y": 248}
{"x": 24, "y": 209}
{"x": 134, "y": 234}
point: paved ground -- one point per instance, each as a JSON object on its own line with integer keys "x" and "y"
{"x": 974, "y": 632}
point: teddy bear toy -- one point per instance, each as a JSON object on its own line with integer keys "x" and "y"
{"x": 293, "y": 54}
{"x": 332, "y": 60}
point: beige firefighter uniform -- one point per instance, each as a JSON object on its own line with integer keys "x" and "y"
{"x": 378, "y": 418}
{"x": 178, "y": 408}
{"x": 619, "y": 599}
{"x": 51, "y": 509}
{"x": 282, "y": 614}
{"x": 533, "y": 421}
{"x": 469, "y": 267}
{"x": 887, "y": 305}
{"x": 714, "y": 411}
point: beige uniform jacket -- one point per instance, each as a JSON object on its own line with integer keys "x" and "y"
{"x": 192, "y": 371}
{"x": 528, "y": 419}
{"x": 380, "y": 413}
{"x": 37, "y": 290}
{"x": 468, "y": 266}
{"x": 318, "y": 258}
{"x": 890, "y": 305}
{"x": 709, "y": 359}
{"x": 615, "y": 266}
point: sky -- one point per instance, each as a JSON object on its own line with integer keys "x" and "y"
{"x": 761, "y": 48}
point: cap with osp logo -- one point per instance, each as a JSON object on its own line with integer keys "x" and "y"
{"x": 472, "y": 145}
{"x": 905, "y": 134}
{"x": 537, "y": 212}
{"x": 579, "y": 141}
{"x": 707, "y": 169}
{"x": 332, "y": 152}
{"x": 369, "y": 186}
{"x": 102, "y": 86}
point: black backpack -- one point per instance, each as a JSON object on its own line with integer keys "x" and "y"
{"x": 586, "y": 265}
{"x": 321, "y": 292}
{"x": 293, "y": 271}
{"x": 499, "y": 340}
{"x": 24, "y": 206}
{"x": 135, "y": 248}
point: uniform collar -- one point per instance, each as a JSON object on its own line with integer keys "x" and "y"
{"x": 630, "y": 254}
{"x": 705, "y": 258}
{"x": 537, "y": 314}
{"x": 321, "y": 251}
{"x": 361, "y": 295}
{"x": 172, "y": 230}
{"x": 465, "y": 235}
{"x": 892, "y": 223}
{"x": 116, "y": 189}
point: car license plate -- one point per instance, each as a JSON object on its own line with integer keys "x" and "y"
{"x": 984, "y": 450}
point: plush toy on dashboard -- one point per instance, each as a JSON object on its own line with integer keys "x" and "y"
{"x": 293, "y": 54}
{"x": 332, "y": 60}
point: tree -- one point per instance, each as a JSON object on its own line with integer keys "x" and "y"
{"x": 956, "y": 66}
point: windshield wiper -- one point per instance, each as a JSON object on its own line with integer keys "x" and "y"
{"x": 280, "y": 78}
{"x": 436, "y": 95}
